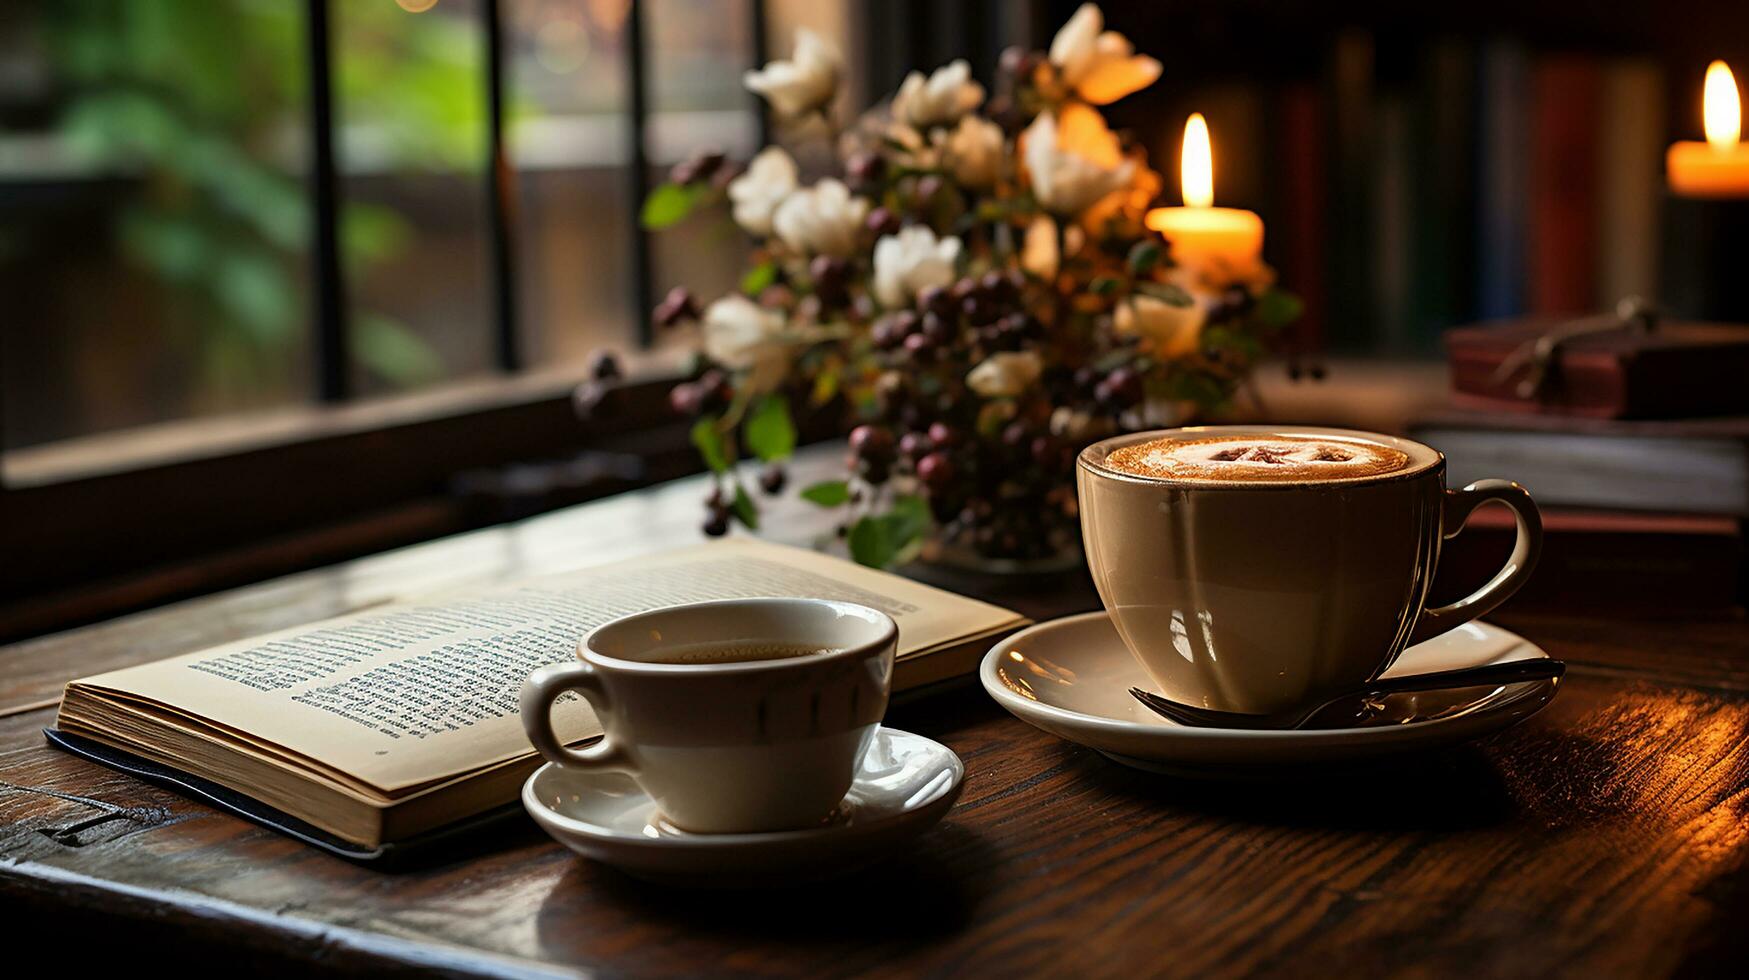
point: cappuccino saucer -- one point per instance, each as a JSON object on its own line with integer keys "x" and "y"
{"x": 1071, "y": 677}
{"x": 904, "y": 785}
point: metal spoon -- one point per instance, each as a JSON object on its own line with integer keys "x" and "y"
{"x": 1489, "y": 675}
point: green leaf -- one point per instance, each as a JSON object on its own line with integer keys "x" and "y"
{"x": 759, "y": 277}
{"x": 745, "y": 510}
{"x": 1277, "y": 308}
{"x": 1228, "y": 339}
{"x": 770, "y": 432}
{"x": 668, "y": 205}
{"x": 1166, "y": 293}
{"x": 892, "y": 538}
{"x": 1197, "y": 387}
{"x": 992, "y": 211}
{"x": 1143, "y": 257}
{"x": 710, "y": 444}
{"x": 829, "y": 493}
{"x": 871, "y": 542}
{"x": 1103, "y": 286}
{"x": 391, "y": 351}
{"x": 825, "y": 386}
{"x": 1113, "y": 360}
{"x": 254, "y": 289}
{"x": 911, "y": 521}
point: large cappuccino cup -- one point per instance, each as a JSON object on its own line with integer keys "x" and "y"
{"x": 1246, "y": 574}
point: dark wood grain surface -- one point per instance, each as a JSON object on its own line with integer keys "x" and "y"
{"x": 1606, "y": 837}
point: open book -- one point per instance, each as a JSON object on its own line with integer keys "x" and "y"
{"x": 386, "y": 724}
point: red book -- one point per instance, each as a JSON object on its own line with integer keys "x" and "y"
{"x": 1304, "y": 248}
{"x": 1678, "y": 370}
{"x": 1566, "y": 91}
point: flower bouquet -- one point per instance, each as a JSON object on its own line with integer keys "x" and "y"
{"x": 974, "y": 294}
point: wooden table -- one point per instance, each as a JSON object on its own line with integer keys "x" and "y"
{"x": 1607, "y": 837}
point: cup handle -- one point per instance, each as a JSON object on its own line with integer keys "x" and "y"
{"x": 1525, "y": 550}
{"x": 542, "y": 688}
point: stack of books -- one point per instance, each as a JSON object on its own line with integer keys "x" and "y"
{"x": 1639, "y": 512}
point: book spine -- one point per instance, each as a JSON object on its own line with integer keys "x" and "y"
{"x": 1563, "y": 184}
{"x": 1502, "y": 197}
{"x": 1629, "y": 181}
{"x": 1393, "y": 243}
{"x": 1351, "y": 198}
{"x": 1444, "y": 190}
{"x": 1301, "y": 242}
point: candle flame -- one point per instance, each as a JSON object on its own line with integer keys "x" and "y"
{"x": 1721, "y": 107}
{"x": 1196, "y": 165}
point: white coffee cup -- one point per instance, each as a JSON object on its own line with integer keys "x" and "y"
{"x": 728, "y": 747}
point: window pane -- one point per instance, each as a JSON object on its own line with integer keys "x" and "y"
{"x": 568, "y": 142}
{"x": 153, "y": 216}
{"x": 410, "y": 93}
{"x": 566, "y": 73}
{"x": 698, "y": 51}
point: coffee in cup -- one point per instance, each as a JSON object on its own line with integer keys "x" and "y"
{"x": 720, "y": 652}
{"x": 1249, "y": 459}
{"x": 735, "y": 716}
{"x": 1260, "y": 569}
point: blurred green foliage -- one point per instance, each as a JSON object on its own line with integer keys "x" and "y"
{"x": 205, "y": 102}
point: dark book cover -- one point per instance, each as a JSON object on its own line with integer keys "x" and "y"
{"x": 1678, "y": 370}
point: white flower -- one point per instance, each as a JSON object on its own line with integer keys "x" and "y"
{"x": 821, "y": 220}
{"x": 743, "y": 336}
{"x": 1040, "y": 253}
{"x": 974, "y": 152}
{"x": 806, "y": 82}
{"x": 944, "y": 97}
{"x": 738, "y": 331}
{"x": 1005, "y": 375}
{"x": 907, "y": 148}
{"x": 755, "y": 195}
{"x": 1102, "y": 66}
{"x": 1077, "y": 424}
{"x": 1167, "y": 329}
{"x": 1074, "y": 160}
{"x": 911, "y": 261}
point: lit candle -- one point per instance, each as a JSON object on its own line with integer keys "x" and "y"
{"x": 1720, "y": 166}
{"x": 1225, "y": 244}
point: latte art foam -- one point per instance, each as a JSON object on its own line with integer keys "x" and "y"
{"x": 1257, "y": 459}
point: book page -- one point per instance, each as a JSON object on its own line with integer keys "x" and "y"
{"x": 402, "y": 695}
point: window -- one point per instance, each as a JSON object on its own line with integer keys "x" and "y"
{"x": 166, "y": 210}
{"x": 153, "y": 213}
{"x": 249, "y": 245}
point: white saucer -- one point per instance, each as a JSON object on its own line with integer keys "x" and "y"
{"x": 1071, "y": 677}
{"x": 904, "y": 785}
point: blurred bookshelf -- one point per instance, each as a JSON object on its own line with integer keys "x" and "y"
{"x": 1425, "y": 166}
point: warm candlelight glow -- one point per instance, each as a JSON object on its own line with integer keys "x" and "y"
{"x": 1720, "y": 166}
{"x": 1196, "y": 173}
{"x": 1721, "y": 107}
{"x": 1222, "y": 245}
